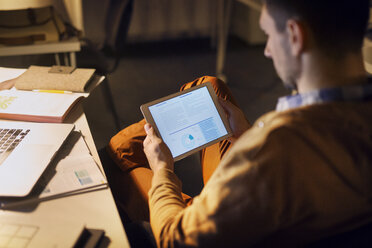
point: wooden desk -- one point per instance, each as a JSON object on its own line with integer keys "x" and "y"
{"x": 95, "y": 209}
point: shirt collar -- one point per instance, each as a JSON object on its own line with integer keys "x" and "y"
{"x": 348, "y": 93}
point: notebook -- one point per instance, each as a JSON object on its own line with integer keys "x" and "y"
{"x": 25, "y": 151}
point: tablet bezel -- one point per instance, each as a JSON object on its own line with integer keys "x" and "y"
{"x": 148, "y": 116}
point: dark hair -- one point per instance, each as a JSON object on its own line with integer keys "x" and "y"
{"x": 338, "y": 26}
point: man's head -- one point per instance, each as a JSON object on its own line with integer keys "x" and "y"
{"x": 332, "y": 28}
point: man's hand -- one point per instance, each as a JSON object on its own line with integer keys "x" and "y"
{"x": 157, "y": 152}
{"x": 236, "y": 117}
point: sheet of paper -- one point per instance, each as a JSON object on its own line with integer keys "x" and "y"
{"x": 75, "y": 145}
{"x": 75, "y": 169}
{"x": 73, "y": 173}
{"x": 10, "y": 73}
{"x": 35, "y": 103}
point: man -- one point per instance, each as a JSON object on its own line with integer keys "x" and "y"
{"x": 300, "y": 173}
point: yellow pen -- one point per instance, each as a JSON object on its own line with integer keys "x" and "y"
{"x": 54, "y": 91}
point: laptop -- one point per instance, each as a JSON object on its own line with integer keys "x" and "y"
{"x": 26, "y": 149}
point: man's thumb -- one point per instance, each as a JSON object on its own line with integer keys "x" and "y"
{"x": 147, "y": 128}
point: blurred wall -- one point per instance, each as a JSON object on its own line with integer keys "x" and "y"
{"x": 167, "y": 19}
{"x": 172, "y": 19}
{"x": 154, "y": 19}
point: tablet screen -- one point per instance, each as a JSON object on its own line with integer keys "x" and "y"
{"x": 188, "y": 121}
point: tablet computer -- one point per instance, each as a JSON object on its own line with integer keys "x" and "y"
{"x": 188, "y": 121}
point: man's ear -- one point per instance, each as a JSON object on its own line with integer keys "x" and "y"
{"x": 296, "y": 36}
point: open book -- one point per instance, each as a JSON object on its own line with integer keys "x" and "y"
{"x": 36, "y": 106}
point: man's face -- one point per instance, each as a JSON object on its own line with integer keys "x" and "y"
{"x": 278, "y": 49}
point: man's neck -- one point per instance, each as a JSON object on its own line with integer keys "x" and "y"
{"x": 319, "y": 72}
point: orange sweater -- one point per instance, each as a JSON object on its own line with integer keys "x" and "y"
{"x": 295, "y": 177}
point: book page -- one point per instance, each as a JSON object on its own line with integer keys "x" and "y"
{"x": 10, "y": 73}
{"x": 31, "y": 103}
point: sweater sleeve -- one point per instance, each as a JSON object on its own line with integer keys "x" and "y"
{"x": 240, "y": 203}
{"x": 275, "y": 186}
{"x": 165, "y": 202}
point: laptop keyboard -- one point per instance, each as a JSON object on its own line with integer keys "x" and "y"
{"x": 9, "y": 139}
{"x": 16, "y": 235}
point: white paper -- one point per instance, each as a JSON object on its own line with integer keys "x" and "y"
{"x": 29, "y": 103}
{"x": 73, "y": 173}
{"x": 10, "y": 73}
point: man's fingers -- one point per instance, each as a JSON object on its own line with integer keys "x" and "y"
{"x": 222, "y": 101}
{"x": 151, "y": 135}
{"x": 147, "y": 128}
{"x": 146, "y": 141}
{"x": 226, "y": 105}
{"x": 149, "y": 131}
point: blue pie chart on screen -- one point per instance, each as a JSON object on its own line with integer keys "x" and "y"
{"x": 188, "y": 141}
